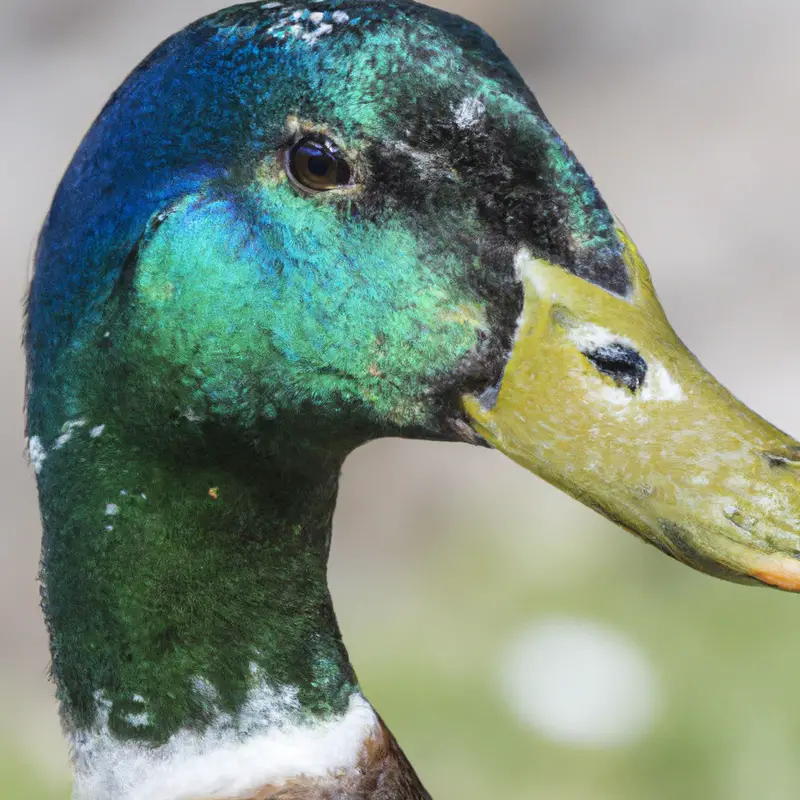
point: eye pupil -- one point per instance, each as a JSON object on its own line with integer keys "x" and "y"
{"x": 319, "y": 165}
{"x": 315, "y": 164}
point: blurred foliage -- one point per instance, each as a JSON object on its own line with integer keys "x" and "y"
{"x": 728, "y": 727}
{"x": 22, "y": 781}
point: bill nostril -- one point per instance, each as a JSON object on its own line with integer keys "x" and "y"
{"x": 621, "y": 363}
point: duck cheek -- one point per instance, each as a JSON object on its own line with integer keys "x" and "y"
{"x": 663, "y": 450}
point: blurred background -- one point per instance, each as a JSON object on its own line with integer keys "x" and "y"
{"x": 518, "y": 645}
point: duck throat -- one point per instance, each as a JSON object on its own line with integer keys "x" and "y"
{"x": 189, "y": 612}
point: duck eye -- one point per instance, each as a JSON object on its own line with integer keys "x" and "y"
{"x": 622, "y": 364}
{"x": 314, "y": 164}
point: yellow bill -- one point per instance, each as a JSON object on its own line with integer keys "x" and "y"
{"x": 602, "y": 399}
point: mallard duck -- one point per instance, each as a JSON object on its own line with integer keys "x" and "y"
{"x": 294, "y": 229}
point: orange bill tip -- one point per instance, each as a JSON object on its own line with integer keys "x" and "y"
{"x": 782, "y": 573}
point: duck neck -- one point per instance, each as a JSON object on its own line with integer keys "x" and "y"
{"x": 185, "y": 592}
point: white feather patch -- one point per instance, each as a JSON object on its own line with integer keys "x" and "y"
{"x": 36, "y": 453}
{"x": 469, "y": 113}
{"x": 232, "y": 758}
{"x": 67, "y": 432}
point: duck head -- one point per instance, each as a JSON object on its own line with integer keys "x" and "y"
{"x": 299, "y": 227}
{"x": 296, "y": 228}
